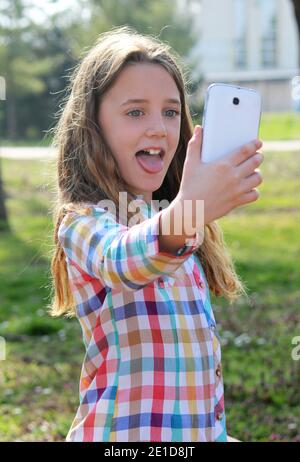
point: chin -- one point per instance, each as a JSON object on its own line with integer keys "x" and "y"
{"x": 149, "y": 186}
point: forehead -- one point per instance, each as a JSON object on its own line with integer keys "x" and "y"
{"x": 144, "y": 80}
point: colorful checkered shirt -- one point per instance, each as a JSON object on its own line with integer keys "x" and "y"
{"x": 152, "y": 369}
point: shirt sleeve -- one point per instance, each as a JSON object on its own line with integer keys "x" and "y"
{"x": 121, "y": 257}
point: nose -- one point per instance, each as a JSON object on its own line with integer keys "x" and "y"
{"x": 156, "y": 127}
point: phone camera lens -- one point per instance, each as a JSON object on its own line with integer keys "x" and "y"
{"x": 235, "y": 101}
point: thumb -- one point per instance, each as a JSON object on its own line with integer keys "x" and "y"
{"x": 195, "y": 145}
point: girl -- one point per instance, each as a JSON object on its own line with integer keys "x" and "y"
{"x": 152, "y": 369}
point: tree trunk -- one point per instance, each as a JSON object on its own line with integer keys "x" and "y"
{"x": 11, "y": 118}
{"x": 3, "y": 213}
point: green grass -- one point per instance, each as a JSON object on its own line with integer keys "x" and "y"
{"x": 280, "y": 126}
{"x": 39, "y": 379}
{"x": 261, "y": 379}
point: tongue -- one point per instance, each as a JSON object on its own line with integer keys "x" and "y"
{"x": 152, "y": 164}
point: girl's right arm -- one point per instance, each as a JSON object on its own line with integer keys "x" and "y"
{"x": 121, "y": 257}
{"x": 222, "y": 186}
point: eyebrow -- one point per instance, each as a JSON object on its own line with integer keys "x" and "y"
{"x": 139, "y": 100}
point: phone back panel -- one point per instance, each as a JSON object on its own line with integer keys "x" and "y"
{"x": 227, "y": 126}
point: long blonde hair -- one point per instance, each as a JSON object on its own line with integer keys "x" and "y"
{"x": 87, "y": 171}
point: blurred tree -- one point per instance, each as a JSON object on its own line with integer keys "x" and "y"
{"x": 35, "y": 57}
{"x": 169, "y": 20}
{"x": 156, "y": 17}
{"x": 54, "y": 43}
{"x": 17, "y": 62}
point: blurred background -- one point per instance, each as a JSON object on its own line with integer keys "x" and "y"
{"x": 253, "y": 43}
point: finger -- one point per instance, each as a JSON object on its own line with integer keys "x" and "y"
{"x": 195, "y": 145}
{"x": 248, "y": 197}
{"x": 252, "y": 181}
{"x": 246, "y": 151}
{"x": 246, "y": 168}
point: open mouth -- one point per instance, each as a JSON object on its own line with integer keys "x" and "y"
{"x": 151, "y": 160}
{"x": 151, "y": 152}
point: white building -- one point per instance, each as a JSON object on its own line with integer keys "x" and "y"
{"x": 252, "y": 43}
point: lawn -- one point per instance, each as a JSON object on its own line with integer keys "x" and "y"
{"x": 280, "y": 126}
{"x": 39, "y": 378}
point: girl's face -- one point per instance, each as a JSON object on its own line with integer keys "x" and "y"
{"x": 141, "y": 111}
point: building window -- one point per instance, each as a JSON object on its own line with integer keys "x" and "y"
{"x": 269, "y": 32}
{"x": 240, "y": 39}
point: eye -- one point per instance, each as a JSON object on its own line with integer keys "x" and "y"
{"x": 134, "y": 113}
{"x": 171, "y": 113}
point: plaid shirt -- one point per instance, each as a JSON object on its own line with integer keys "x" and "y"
{"x": 152, "y": 369}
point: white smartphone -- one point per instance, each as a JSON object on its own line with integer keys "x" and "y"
{"x": 231, "y": 118}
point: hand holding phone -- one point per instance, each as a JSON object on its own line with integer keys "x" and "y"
{"x": 223, "y": 184}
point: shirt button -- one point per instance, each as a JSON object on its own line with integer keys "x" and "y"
{"x": 219, "y": 416}
{"x": 199, "y": 282}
